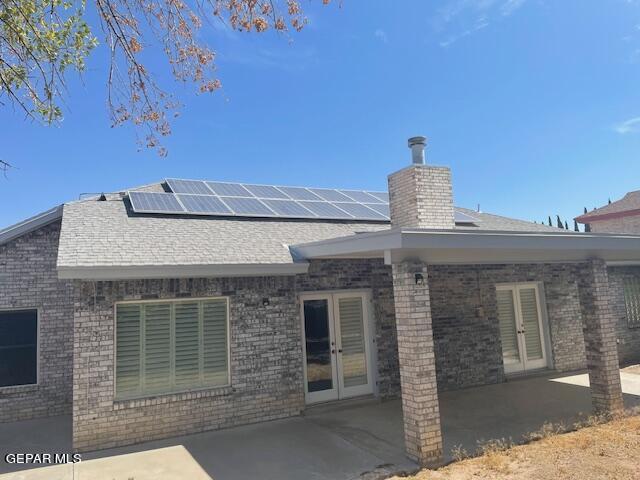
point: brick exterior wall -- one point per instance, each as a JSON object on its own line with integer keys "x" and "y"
{"x": 266, "y": 353}
{"x": 266, "y": 366}
{"x": 465, "y": 319}
{"x": 420, "y": 196}
{"x": 28, "y": 280}
{"x": 630, "y": 224}
{"x": 266, "y": 341}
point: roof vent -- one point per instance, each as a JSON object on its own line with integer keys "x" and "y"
{"x": 417, "y": 144}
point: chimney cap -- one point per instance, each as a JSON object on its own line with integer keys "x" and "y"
{"x": 419, "y": 140}
{"x": 417, "y": 144}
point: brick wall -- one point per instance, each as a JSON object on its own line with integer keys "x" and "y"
{"x": 266, "y": 366}
{"x": 28, "y": 280}
{"x": 266, "y": 353}
{"x": 630, "y": 224}
{"x": 266, "y": 341}
{"x": 465, "y": 320}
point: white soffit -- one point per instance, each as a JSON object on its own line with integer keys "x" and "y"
{"x": 462, "y": 247}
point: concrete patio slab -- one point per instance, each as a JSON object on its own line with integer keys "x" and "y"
{"x": 349, "y": 440}
{"x": 168, "y": 463}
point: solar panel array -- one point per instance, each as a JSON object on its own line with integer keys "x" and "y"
{"x": 196, "y": 197}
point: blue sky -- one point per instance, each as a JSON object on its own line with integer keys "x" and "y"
{"x": 534, "y": 104}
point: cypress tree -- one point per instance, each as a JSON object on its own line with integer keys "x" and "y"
{"x": 575, "y": 226}
{"x": 550, "y": 224}
{"x": 559, "y": 222}
{"x": 566, "y": 225}
{"x": 585, "y": 209}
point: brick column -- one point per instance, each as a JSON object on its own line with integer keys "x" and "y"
{"x": 599, "y": 326}
{"x": 421, "y": 412}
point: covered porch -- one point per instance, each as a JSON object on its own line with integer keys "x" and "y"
{"x": 413, "y": 253}
{"x": 361, "y": 438}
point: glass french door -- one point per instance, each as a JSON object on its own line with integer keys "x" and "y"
{"x": 337, "y": 344}
{"x": 521, "y": 327}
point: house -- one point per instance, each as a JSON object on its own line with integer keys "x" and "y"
{"x": 621, "y": 216}
{"x": 186, "y": 306}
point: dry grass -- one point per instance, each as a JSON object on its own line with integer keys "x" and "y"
{"x": 596, "y": 449}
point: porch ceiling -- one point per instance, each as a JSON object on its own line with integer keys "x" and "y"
{"x": 455, "y": 246}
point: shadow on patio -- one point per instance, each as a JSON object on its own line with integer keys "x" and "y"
{"x": 339, "y": 441}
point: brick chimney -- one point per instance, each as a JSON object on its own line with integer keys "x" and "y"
{"x": 420, "y": 195}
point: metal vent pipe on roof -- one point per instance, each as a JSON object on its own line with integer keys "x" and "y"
{"x": 417, "y": 144}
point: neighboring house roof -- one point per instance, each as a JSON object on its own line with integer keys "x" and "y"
{"x": 626, "y": 206}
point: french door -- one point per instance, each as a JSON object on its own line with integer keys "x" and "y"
{"x": 337, "y": 346}
{"x": 521, "y": 327}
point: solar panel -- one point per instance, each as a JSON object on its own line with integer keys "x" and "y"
{"x": 148, "y": 202}
{"x": 384, "y": 196}
{"x": 188, "y": 186}
{"x": 461, "y": 217}
{"x": 265, "y": 191}
{"x": 203, "y": 204}
{"x": 299, "y": 193}
{"x": 250, "y": 200}
{"x": 382, "y": 208}
{"x": 247, "y": 206}
{"x": 359, "y": 196}
{"x": 229, "y": 189}
{"x": 331, "y": 195}
{"x": 325, "y": 210}
{"x": 289, "y": 208}
{"x": 360, "y": 211}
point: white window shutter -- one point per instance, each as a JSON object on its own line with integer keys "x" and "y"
{"x": 215, "y": 367}
{"x": 128, "y": 346}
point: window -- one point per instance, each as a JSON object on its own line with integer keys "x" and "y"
{"x": 18, "y": 347}
{"x": 632, "y": 300}
{"x": 164, "y": 347}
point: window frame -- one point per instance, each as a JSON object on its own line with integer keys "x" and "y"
{"x": 632, "y": 323}
{"x": 144, "y": 395}
{"x": 27, "y": 385}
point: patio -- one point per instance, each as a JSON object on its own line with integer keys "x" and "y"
{"x": 355, "y": 439}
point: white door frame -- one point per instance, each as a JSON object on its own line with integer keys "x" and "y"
{"x": 525, "y": 364}
{"x": 339, "y": 391}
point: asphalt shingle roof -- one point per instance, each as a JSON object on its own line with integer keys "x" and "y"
{"x": 104, "y": 233}
{"x": 631, "y": 201}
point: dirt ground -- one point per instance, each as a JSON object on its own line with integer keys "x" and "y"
{"x": 605, "y": 451}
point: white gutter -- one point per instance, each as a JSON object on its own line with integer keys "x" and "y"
{"x": 30, "y": 224}
{"x": 179, "y": 271}
{"x": 464, "y": 246}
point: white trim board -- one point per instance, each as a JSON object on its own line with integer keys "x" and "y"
{"x": 180, "y": 271}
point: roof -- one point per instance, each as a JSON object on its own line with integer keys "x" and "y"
{"x": 106, "y": 236}
{"x": 626, "y": 206}
{"x": 105, "y": 239}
